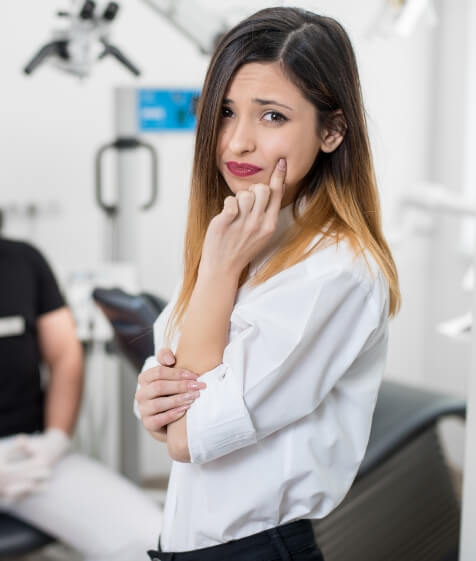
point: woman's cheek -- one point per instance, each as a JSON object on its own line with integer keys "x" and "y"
{"x": 299, "y": 165}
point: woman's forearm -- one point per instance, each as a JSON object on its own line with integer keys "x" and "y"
{"x": 203, "y": 338}
{"x": 204, "y": 333}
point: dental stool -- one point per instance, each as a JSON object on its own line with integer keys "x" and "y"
{"x": 402, "y": 504}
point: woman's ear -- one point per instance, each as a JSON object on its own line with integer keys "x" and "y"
{"x": 334, "y": 134}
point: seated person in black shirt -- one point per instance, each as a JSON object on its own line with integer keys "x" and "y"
{"x": 68, "y": 495}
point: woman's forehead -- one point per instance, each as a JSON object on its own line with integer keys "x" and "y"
{"x": 261, "y": 80}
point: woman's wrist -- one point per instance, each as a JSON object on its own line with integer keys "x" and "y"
{"x": 218, "y": 273}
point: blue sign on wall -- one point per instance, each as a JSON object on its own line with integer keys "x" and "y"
{"x": 167, "y": 110}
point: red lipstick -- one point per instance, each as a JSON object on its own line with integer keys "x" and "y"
{"x": 242, "y": 170}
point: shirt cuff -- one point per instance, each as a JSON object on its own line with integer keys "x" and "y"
{"x": 218, "y": 422}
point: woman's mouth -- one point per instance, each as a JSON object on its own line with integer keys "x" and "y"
{"x": 242, "y": 170}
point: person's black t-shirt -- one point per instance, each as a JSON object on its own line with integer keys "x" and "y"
{"x": 28, "y": 290}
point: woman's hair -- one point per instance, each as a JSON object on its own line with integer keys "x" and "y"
{"x": 340, "y": 189}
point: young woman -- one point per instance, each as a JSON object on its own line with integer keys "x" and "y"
{"x": 283, "y": 309}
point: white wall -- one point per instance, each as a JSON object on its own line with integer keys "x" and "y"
{"x": 51, "y": 126}
{"x": 447, "y": 361}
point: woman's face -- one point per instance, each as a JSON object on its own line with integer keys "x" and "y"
{"x": 265, "y": 117}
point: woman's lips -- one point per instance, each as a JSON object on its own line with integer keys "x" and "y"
{"x": 242, "y": 170}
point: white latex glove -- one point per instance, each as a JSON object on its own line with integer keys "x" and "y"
{"x": 29, "y": 461}
{"x": 19, "y": 473}
{"x": 45, "y": 448}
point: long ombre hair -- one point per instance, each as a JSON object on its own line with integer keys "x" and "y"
{"x": 340, "y": 190}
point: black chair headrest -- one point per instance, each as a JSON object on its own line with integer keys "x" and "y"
{"x": 132, "y": 317}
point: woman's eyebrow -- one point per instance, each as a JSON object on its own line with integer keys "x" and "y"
{"x": 260, "y": 101}
{"x": 270, "y": 102}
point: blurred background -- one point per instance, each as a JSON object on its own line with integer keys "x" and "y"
{"x": 418, "y": 78}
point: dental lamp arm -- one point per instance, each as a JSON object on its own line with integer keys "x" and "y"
{"x": 54, "y": 48}
{"x": 110, "y": 49}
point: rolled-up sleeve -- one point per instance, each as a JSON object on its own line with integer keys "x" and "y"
{"x": 290, "y": 343}
{"x": 215, "y": 433}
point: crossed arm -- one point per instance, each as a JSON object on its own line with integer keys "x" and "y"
{"x": 234, "y": 237}
{"x": 202, "y": 342}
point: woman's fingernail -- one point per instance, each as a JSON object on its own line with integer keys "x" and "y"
{"x": 197, "y": 385}
{"x": 189, "y": 375}
{"x": 169, "y": 357}
{"x": 282, "y": 164}
{"x": 182, "y": 409}
{"x": 191, "y": 396}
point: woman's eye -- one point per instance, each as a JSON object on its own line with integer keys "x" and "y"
{"x": 274, "y": 117}
{"x": 226, "y": 112}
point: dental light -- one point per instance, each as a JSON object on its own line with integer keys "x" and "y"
{"x": 85, "y": 40}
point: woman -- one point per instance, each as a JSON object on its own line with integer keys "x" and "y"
{"x": 287, "y": 290}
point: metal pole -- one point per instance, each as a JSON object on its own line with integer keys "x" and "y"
{"x": 125, "y": 232}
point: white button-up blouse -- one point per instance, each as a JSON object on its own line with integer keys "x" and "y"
{"x": 281, "y": 429}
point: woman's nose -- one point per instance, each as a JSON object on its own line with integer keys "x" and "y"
{"x": 241, "y": 138}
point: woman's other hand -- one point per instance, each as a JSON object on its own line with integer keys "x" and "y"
{"x": 245, "y": 225}
{"x": 165, "y": 393}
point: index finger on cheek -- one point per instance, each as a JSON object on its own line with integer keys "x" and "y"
{"x": 277, "y": 186}
{"x": 278, "y": 176}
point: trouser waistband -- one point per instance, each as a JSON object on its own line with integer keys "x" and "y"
{"x": 277, "y": 543}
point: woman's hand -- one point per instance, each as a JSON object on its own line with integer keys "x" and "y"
{"x": 165, "y": 393}
{"x": 245, "y": 225}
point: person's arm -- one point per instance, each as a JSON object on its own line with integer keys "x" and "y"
{"x": 203, "y": 339}
{"x": 164, "y": 392}
{"x": 61, "y": 351}
{"x": 317, "y": 333}
{"x": 233, "y": 239}
{"x": 62, "y": 354}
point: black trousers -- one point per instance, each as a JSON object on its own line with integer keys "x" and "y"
{"x": 290, "y": 542}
